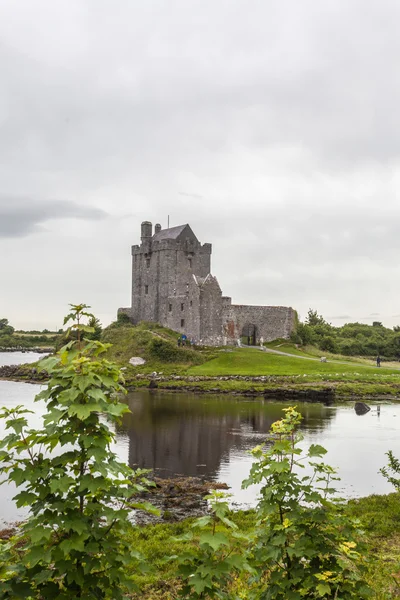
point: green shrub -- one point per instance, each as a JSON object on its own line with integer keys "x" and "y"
{"x": 78, "y": 494}
{"x": 165, "y": 351}
{"x": 328, "y": 344}
{"x": 305, "y": 546}
{"x": 123, "y": 318}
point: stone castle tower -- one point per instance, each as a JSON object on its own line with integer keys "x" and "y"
{"x": 172, "y": 285}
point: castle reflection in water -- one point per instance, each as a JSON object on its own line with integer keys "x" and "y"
{"x": 191, "y": 435}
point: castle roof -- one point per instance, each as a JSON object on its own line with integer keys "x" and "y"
{"x": 170, "y": 234}
{"x": 202, "y": 281}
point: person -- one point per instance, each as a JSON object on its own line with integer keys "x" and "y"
{"x": 378, "y": 361}
{"x": 179, "y": 341}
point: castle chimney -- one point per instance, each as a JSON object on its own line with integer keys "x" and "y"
{"x": 157, "y": 228}
{"x": 146, "y": 230}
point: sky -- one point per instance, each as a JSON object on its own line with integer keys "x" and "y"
{"x": 272, "y": 128}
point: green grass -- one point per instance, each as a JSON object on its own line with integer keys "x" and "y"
{"x": 378, "y": 516}
{"x": 254, "y": 362}
{"x": 286, "y": 346}
{"x": 291, "y": 349}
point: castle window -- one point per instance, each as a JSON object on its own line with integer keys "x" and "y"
{"x": 182, "y": 322}
{"x": 147, "y": 262}
{"x": 182, "y": 306}
{"x": 191, "y": 303}
{"x": 170, "y": 307}
{"x": 146, "y": 289}
{"x": 190, "y": 263}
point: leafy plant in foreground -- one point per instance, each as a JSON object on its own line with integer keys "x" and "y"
{"x": 77, "y": 492}
{"x": 213, "y": 559}
{"x": 305, "y": 547}
{"x": 392, "y": 471}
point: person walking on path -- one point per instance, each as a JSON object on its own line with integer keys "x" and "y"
{"x": 378, "y": 361}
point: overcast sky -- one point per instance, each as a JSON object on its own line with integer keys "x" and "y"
{"x": 272, "y": 128}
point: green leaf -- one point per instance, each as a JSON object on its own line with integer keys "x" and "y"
{"x": 83, "y": 411}
{"x": 61, "y": 484}
{"x": 199, "y": 584}
{"x": 40, "y": 532}
{"x": 323, "y": 589}
{"x": 42, "y": 576}
{"x": 215, "y": 541}
{"x": 74, "y": 543}
{"x": 229, "y": 523}
{"x": 24, "y": 499}
{"x": 316, "y": 450}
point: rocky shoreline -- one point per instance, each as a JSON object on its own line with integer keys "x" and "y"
{"x": 30, "y": 374}
{"x": 267, "y": 387}
{"x": 24, "y": 350}
{"x": 25, "y": 373}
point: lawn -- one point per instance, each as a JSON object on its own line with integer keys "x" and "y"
{"x": 254, "y": 362}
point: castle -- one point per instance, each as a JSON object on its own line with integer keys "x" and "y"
{"x": 172, "y": 285}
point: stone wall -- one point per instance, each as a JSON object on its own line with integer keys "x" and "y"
{"x": 271, "y": 322}
{"x": 211, "y": 312}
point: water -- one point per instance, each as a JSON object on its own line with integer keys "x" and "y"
{"x": 19, "y": 358}
{"x": 210, "y": 437}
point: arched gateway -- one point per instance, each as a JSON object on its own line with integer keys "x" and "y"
{"x": 248, "y": 335}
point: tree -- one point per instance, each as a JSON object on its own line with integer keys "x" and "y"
{"x": 328, "y": 344}
{"x": 97, "y": 327}
{"x": 78, "y": 494}
{"x": 305, "y": 546}
{"x": 313, "y": 318}
{"x": 5, "y": 327}
{"x": 304, "y": 334}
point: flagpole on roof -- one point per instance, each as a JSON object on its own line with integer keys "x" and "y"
{"x": 168, "y": 222}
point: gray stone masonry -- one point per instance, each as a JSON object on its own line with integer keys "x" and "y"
{"x": 172, "y": 285}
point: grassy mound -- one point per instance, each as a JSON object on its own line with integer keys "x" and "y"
{"x": 156, "y": 344}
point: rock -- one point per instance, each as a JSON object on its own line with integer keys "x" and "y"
{"x": 136, "y": 361}
{"x": 361, "y": 408}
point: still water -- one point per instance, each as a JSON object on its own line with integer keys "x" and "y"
{"x": 18, "y": 358}
{"x": 210, "y": 437}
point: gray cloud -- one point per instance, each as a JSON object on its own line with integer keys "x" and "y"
{"x": 341, "y": 317}
{"x": 273, "y": 128}
{"x": 22, "y": 216}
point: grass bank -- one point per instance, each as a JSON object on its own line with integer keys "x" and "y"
{"x": 238, "y": 370}
{"x": 379, "y": 518}
{"x": 252, "y": 371}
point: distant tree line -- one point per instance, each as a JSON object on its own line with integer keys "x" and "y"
{"x": 10, "y": 338}
{"x": 352, "y": 339}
